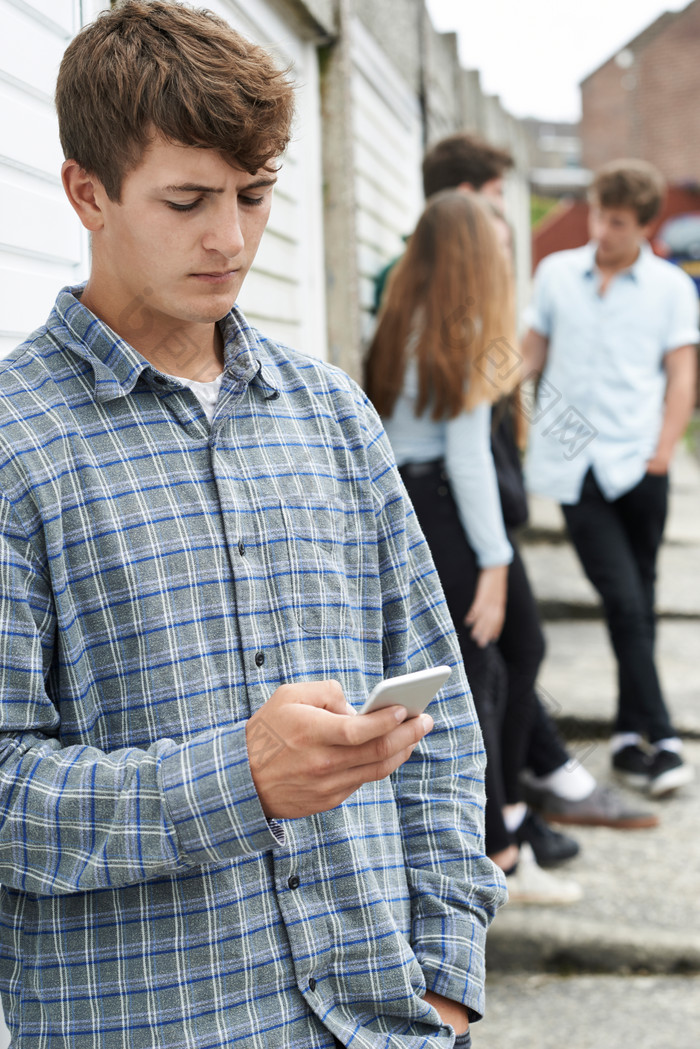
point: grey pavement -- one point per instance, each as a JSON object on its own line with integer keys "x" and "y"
{"x": 537, "y": 1011}
{"x": 621, "y": 968}
{"x": 641, "y": 904}
{"x": 578, "y": 677}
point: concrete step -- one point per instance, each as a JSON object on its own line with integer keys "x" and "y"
{"x": 564, "y": 592}
{"x": 558, "y": 579}
{"x": 536, "y": 1011}
{"x": 641, "y": 908}
{"x": 578, "y": 680}
{"x": 683, "y": 524}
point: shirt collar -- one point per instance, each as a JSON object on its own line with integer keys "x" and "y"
{"x": 117, "y": 366}
{"x": 634, "y": 271}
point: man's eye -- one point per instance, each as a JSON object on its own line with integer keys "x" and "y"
{"x": 253, "y": 202}
{"x": 183, "y": 207}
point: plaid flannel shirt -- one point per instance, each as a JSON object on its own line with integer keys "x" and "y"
{"x": 159, "y": 579}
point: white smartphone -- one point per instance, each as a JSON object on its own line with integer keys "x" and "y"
{"x": 412, "y": 691}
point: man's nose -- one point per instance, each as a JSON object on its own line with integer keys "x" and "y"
{"x": 225, "y": 234}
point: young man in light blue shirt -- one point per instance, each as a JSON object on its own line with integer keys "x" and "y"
{"x": 612, "y": 329}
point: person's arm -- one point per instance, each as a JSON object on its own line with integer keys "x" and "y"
{"x": 450, "y": 1012}
{"x": 537, "y": 322}
{"x": 681, "y": 377}
{"x": 472, "y": 473}
{"x": 534, "y": 349}
{"x": 455, "y": 890}
{"x": 76, "y": 818}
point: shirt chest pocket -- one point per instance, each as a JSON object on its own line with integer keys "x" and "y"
{"x": 320, "y": 548}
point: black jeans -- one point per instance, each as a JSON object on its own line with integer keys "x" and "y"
{"x": 617, "y": 542}
{"x": 529, "y": 736}
{"x": 521, "y": 645}
{"x": 457, "y": 569}
{"x": 546, "y": 750}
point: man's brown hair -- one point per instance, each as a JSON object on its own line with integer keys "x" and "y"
{"x": 449, "y": 304}
{"x": 631, "y": 184}
{"x": 164, "y": 68}
{"x": 462, "y": 158}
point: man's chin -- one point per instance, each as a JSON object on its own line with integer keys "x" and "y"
{"x": 212, "y": 311}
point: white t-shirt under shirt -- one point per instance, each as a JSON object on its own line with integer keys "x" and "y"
{"x": 207, "y": 393}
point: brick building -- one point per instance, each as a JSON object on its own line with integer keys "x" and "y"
{"x": 644, "y": 100}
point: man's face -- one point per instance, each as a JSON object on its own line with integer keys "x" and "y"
{"x": 617, "y": 233}
{"x": 176, "y": 249}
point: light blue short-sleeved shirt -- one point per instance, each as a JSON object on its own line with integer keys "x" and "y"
{"x": 600, "y": 400}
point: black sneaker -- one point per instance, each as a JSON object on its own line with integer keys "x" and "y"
{"x": 549, "y": 846}
{"x": 668, "y": 772}
{"x": 632, "y": 765}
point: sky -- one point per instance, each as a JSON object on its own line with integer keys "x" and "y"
{"x": 534, "y": 53}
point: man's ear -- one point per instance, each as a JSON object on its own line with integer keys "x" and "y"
{"x": 84, "y": 193}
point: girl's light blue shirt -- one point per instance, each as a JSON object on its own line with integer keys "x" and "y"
{"x": 464, "y": 443}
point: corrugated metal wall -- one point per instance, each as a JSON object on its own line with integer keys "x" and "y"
{"x": 388, "y": 147}
{"x": 42, "y": 245}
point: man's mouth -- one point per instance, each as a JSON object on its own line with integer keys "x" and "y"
{"x": 215, "y": 276}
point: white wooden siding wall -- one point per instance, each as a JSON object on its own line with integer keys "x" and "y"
{"x": 284, "y": 294}
{"x": 388, "y": 152}
{"x": 42, "y": 246}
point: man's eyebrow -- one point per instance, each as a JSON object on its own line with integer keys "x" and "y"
{"x": 261, "y": 183}
{"x": 193, "y": 187}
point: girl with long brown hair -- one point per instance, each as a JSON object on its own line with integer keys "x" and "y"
{"x": 441, "y": 356}
{"x": 434, "y": 368}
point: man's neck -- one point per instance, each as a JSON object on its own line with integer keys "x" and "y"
{"x": 187, "y": 350}
{"x": 187, "y": 358}
{"x": 608, "y": 268}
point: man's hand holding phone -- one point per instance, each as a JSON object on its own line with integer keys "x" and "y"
{"x": 319, "y": 752}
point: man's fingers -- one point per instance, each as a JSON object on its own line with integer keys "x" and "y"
{"x": 327, "y": 695}
{"x": 352, "y": 778}
{"x": 366, "y": 727}
{"x": 384, "y": 747}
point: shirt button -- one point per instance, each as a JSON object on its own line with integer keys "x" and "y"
{"x": 294, "y": 882}
{"x": 312, "y": 984}
{"x": 259, "y": 659}
{"x": 442, "y": 490}
{"x": 241, "y": 548}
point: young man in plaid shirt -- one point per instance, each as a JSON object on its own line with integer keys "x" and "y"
{"x": 207, "y": 561}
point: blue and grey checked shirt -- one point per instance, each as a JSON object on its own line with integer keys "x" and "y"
{"x": 159, "y": 579}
